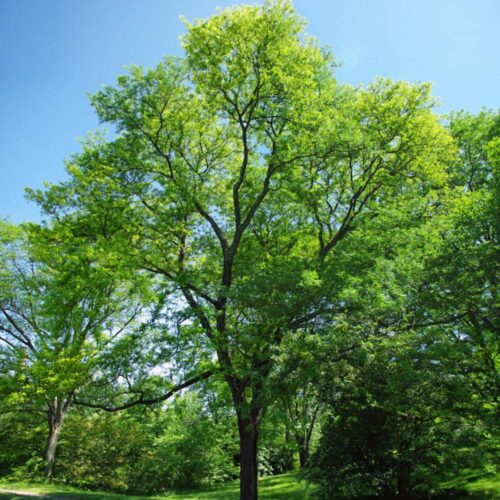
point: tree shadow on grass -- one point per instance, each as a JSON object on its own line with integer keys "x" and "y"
{"x": 284, "y": 487}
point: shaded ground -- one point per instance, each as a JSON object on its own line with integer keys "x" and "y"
{"x": 19, "y": 494}
{"x": 282, "y": 487}
{"x": 285, "y": 486}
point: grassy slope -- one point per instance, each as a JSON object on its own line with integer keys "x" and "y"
{"x": 285, "y": 486}
{"x": 476, "y": 485}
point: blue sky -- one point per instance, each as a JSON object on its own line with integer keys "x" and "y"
{"x": 53, "y": 52}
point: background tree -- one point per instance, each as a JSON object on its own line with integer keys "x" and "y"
{"x": 462, "y": 278}
{"x": 61, "y": 314}
{"x": 295, "y": 385}
{"x": 429, "y": 332}
{"x": 401, "y": 423}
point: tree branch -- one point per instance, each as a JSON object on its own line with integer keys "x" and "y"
{"x": 151, "y": 401}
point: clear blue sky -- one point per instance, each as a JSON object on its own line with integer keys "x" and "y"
{"x": 53, "y": 52}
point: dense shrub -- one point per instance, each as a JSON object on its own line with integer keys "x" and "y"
{"x": 22, "y": 437}
{"x": 141, "y": 450}
{"x": 146, "y": 451}
{"x": 401, "y": 425}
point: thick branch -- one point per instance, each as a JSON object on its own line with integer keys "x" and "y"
{"x": 150, "y": 401}
{"x": 217, "y": 230}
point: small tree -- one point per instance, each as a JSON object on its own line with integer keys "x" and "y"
{"x": 60, "y": 316}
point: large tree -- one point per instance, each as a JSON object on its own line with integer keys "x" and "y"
{"x": 462, "y": 278}
{"x": 439, "y": 329}
{"x": 238, "y": 173}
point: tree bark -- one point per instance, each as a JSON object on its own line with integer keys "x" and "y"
{"x": 303, "y": 446}
{"x": 404, "y": 486}
{"x": 248, "y": 412}
{"x": 248, "y": 431}
{"x": 55, "y": 416}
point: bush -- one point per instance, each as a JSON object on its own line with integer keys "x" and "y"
{"x": 400, "y": 425}
{"x": 145, "y": 450}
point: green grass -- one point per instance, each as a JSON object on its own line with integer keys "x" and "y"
{"x": 55, "y": 490}
{"x": 475, "y": 484}
{"x": 285, "y": 486}
{"x": 487, "y": 485}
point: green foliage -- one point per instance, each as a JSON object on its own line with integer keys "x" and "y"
{"x": 142, "y": 451}
{"x": 148, "y": 451}
{"x": 403, "y": 411}
{"x": 59, "y": 308}
{"x": 310, "y": 243}
{"x": 22, "y": 437}
{"x": 416, "y": 403}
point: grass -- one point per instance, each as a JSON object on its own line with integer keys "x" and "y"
{"x": 282, "y": 487}
{"x": 475, "y": 485}
{"x": 487, "y": 485}
{"x": 54, "y": 490}
{"x": 285, "y": 486}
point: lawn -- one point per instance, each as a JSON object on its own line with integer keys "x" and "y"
{"x": 475, "y": 485}
{"x": 285, "y": 486}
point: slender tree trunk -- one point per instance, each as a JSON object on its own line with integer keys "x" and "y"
{"x": 303, "y": 446}
{"x": 304, "y": 439}
{"x": 55, "y": 417}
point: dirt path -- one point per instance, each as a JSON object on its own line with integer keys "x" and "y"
{"x": 27, "y": 494}
{"x": 22, "y": 493}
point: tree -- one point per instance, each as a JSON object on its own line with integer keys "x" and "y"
{"x": 462, "y": 278}
{"x": 237, "y": 174}
{"x": 401, "y": 422}
{"x": 61, "y": 314}
{"x": 420, "y": 404}
{"x": 295, "y": 384}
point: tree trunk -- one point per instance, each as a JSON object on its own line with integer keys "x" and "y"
{"x": 248, "y": 430}
{"x": 249, "y": 408}
{"x": 248, "y": 412}
{"x": 404, "y": 487}
{"x": 55, "y": 416}
{"x": 303, "y": 446}
{"x": 304, "y": 439}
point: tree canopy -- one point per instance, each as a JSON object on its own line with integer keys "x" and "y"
{"x": 268, "y": 214}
